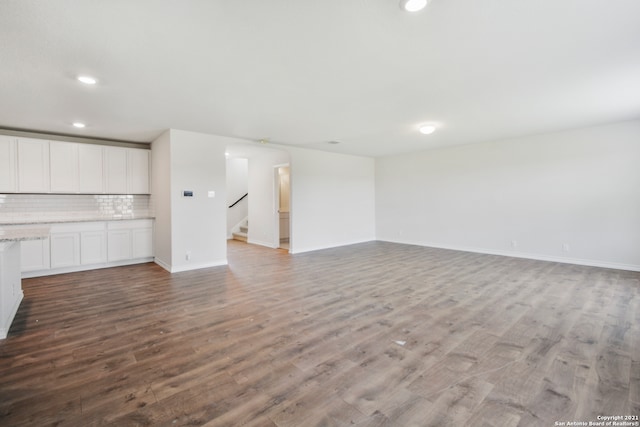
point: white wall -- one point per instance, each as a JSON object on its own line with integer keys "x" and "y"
{"x": 237, "y": 186}
{"x": 161, "y": 197}
{"x": 194, "y": 225}
{"x": 578, "y": 188}
{"x": 332, "y": 199}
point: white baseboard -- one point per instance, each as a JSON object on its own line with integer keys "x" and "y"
{"x": 197, "y": 266}
{"x": 262, "y": 243}
{"x": 526, "y": 255}
{"x": 163, "y": 264}
{"x": 296, "y": 250}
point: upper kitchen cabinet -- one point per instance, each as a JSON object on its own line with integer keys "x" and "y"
{"x": 138, "y": 162}
{"x": 33, "y": 166}
{"x": 115, "y": 161}
{"x": 64, "y": 167}
{"x": 91, "y": 169}
{"x": 127, "y": 170}
{"x": 29, "y": 165}
{"x": 7, "y": 164}
{"x": 113, "y": 170}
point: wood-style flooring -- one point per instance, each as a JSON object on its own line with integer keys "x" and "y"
{"x": 375, "y": 334}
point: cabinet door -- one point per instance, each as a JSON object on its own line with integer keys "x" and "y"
{"x": 63, "y": 164}
{"x": 118, "y": 245}
{"x": 116, "y": 170}
{"x": 91, "y": 169}
{"x": 142, "y": 242}
{"x": 138, "y": 171}
{"x": 65, "y": 249}
{"x": 34, "y": 255}
{"x": 33, "y": 165}
{"x": 93, "y": 247}
{"x": 7, "y": 164}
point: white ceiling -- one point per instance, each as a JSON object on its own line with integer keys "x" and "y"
{"x": 305, "y": 72}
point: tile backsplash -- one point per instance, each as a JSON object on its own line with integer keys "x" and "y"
{"x": 30, "y": 208}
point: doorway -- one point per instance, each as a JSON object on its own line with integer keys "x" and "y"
{"x": 283, "y": 202}
{"x": 261, "y": 188}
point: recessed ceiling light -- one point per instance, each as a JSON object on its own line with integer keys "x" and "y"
{"x": 413, "y": 5}
{"x": 427, "y": 129}
{"x": 88, "y": 80}
{"x": 78, "y": 125}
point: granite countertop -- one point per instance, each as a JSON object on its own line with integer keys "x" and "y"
{"x": 19, "y": 234}
{"x": 66, "y": 221}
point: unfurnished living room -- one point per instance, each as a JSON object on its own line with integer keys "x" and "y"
{"x": 319, "y": 213}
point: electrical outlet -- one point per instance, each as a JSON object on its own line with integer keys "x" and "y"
{"x": 565, "y": 247}
{"x": 514, "y": 244}
{"x": 188, "y": 256}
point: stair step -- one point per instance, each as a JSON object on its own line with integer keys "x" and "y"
{"x": 240, "y": 236}
{"x": 244, "y": 229}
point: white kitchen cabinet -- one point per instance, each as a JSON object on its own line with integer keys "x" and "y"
{"x": 138, "y": 171}
{"x": 29, "y": 165}
{"x": 127, "y": 170}
{"x": 93, "y": 247}
{"x": 34, "y": 255}
{"x": 86, "y": 245}
{"x": 33, "y": 165}
{"x": 91, "y": 169}
{"x": 142, "y": 242}
{"x": 63, "y": 165}
{"x": 7, "y": 164}
{"x": 116, "y": 170}
{"x": 65, "y": 249}
{"x": 129, "y": 239}
{"x": 118, "y": 245}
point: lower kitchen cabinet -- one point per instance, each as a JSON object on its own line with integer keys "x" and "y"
{"x": 88, "y": 245}
{"x": 65, "y": 249}
{"x": 130, "y": 239}
{"x": 119, "y": 244}
{"x": 93, "y": 247}
{"x": 142, "y": 242}
{"x": 34, "y": 255}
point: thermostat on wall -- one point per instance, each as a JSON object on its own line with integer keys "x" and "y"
{"x": 187, "y": 193}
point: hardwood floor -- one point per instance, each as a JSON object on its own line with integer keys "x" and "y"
{"x": 376, "y": 334}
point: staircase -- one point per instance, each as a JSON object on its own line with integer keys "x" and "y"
{"x": 242, "y": 234}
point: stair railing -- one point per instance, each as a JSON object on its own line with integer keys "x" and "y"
{"x": 238, "y": 201}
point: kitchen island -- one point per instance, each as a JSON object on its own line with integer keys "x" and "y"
{"x": 10, "y": 277}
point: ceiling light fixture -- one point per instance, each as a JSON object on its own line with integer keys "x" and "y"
{"x": 413, "y": 5}
{"x": 78, "y": 125}
{"x": 427, "y": 129}
{"x": 88, "y": 80}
